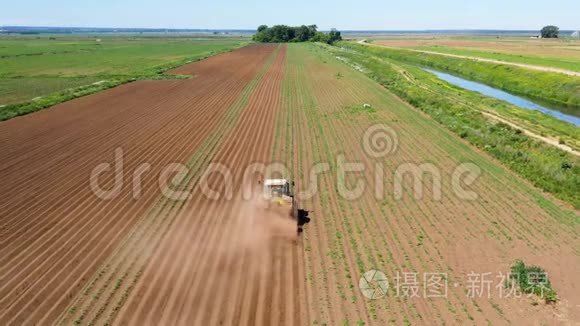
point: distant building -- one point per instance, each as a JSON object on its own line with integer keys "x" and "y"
{"x": 576, "y": 34}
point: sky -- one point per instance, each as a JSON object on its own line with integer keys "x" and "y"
{"x": 341, "y": 14}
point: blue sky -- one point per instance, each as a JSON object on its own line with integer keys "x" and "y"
{"x": 342, "y": 14}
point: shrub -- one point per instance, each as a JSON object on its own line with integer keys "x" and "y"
{"x": 532, "y": 280}
{"x": 550, "y": 31}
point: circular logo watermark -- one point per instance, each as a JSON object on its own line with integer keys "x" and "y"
{"x": 373, "y": 285}
{"x": 380, "y": 140}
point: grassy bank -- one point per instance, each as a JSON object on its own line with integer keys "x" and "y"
{"x": 547, "y": 167}
{"x": 550, "y": 87}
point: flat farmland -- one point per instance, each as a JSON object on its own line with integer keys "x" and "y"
{"x": 555, "y": 53}
{"x": 32, "y": 67}
{"x": 457, "y": 237}
{"x": 51, "y": 243}
{"x": 69, "y": 256}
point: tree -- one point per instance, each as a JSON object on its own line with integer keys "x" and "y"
{"x": 334, "y": 36}
{"x": 263, "y": 36}
{"x": 313, "y": 29}
{"x": 283, "y": 34}
{"x": 303, "y": 34}
{"x": 320, "y": 37}
{"x": 550, "y": 31}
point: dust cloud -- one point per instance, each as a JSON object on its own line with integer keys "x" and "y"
{"x": 256, "y": 229}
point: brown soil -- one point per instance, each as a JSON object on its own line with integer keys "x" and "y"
{"x": 55, "y": 232}
{"x": 220, "y": 263}
{"x": 451, "y": 235}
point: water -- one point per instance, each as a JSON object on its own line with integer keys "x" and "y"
{"x": 504, "y": 96}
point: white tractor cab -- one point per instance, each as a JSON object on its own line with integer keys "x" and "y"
{"x": 280, "y": 191}
{"x": 277, "y": 188}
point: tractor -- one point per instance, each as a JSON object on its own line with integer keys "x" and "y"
{"x": 279, "y": 192}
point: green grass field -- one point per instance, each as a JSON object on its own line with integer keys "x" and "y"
{"x": 31, "y": 67}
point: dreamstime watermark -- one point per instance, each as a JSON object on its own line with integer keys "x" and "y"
{"x": 172, "y": 174}
{"x": 380, "y": 141}
{"x": 353, "y": 178}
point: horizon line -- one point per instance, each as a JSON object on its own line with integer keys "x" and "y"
{"x": 254, "y": 29}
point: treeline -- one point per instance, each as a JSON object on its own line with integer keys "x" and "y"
{"x": 284, "y": 34}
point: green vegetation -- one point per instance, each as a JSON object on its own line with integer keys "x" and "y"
{"x": 95, "y": 56}
{"x": 284, "y": 34}
{"x": 15, "y": 90}
{"x": 36, "y": 73}
{"x": 551, "y": 87}
{"x": 547, "y": 167}
{"x": 550, "y": 31}
{"x": 532, "y": 280}
{"x": 15, "y": 110}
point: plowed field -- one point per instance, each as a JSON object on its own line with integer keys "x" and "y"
{"x": 141, "y": 258}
